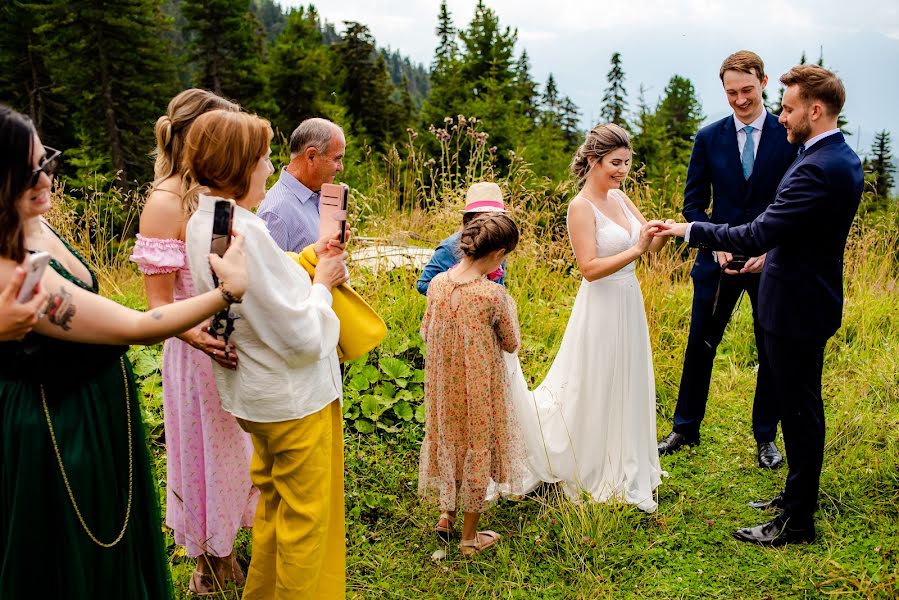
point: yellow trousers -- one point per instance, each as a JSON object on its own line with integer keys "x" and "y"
{"x": 299, "y": 544}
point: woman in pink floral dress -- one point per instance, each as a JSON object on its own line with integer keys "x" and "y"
{"x": 208, "y": 491}
{"x": 472, "y": 441}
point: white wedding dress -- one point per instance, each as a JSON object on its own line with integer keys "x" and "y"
{"x": 591, "y": 424}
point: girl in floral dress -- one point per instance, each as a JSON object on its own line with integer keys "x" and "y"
{"x": 472, "y": 440}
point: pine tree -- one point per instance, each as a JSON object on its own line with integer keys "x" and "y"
{"x": 614, "y": 103}
{"x": 646, "y": 142}
{"x": 117, "y": 92}
{"x": 526, "y": 88}
{"x": 550, "y": 103}
{"x": 299, "y": 70}
{"x": 25, "y": 80}
{"x": 488, "y": 50}
{"x": 879, "y": 165}
{"x": 446, "y": 99}
{"x": 680, "y": 113}
{"x": 367, "y": 89}
{"x": 227, "y": 49}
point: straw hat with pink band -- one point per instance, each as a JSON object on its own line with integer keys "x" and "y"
{"x": 484, "y": 196}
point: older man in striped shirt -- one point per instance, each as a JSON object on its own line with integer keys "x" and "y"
{"x": 290, "y": 208}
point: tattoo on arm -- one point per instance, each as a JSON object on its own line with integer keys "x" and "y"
{"x": 157, "y": 315}
{"x": 60, "y": 308}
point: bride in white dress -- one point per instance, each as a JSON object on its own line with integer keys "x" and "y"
{"x": 591, "y": 424}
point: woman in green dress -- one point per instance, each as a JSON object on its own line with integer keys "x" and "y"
{"x": 79, "y": 515}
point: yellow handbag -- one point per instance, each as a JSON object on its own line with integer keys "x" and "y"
{"x": 361, "y": 329}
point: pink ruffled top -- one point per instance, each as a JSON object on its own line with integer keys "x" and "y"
{"x": 156, "y": 256}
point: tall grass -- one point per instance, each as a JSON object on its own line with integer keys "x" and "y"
{"x": 556, "y": 549}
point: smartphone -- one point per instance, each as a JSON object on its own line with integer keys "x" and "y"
{"x": 736, "y": 263}
{"x": 221, "y": 226}
{"x": 332, "y": 207}
{"x": 34, "y": 266}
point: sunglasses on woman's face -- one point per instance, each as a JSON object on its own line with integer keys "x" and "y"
{"x": 48, "y": 165}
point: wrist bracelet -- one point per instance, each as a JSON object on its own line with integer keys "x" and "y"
{"x": 228, "y": 296}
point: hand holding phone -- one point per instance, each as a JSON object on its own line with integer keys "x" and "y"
{"x": 736, "y": 263}
{"x": 34, "y": 266}
{"x": 332, "y": 210}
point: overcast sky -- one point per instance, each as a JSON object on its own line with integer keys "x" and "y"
{"x": 574, "y": 39}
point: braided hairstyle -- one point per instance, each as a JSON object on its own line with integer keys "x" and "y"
{"x": 488, "y": 232}
{"x": 600, "y": 140}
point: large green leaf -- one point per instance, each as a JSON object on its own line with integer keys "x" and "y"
{"x": 386, "y": 402}
{"x": 403, "y": 410}
{"x": 371, "y": 407}
{"x": 359, "y": 383}
{"x": 394, "y": 368}
{"x": 371, "y": 373}
{"x": 386, "y": 389}
{"x": 364, "y": 426}
{"x": 418, "y": 376}
{"x": 420, "y": 413}
{"x": 404, "y": 395}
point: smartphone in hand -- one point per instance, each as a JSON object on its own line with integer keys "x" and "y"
{"x": 332, "y": 210}
{"x": 737, "y": 263}
{"x": 222, "y": 217}
{"x": 34, "y": 266}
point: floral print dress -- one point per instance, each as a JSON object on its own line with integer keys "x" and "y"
{"x": 209, "y": 495}
{"x": 472, "y": 437}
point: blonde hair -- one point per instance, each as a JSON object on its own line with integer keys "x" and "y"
{"x": 221, "y": 151}
{"x": 743, "y": 61}
{"x": 600, "y": 140}
{"x": 171, "y": 129}
{"x": 488, "y": 232}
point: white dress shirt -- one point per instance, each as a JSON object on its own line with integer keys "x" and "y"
{"x": 812, "y": 141}
{"x": 285, "y": 332}
{"x": 757, "y": 126}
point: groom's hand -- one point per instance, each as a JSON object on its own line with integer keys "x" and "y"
{"x": 672, "y": 229}
{"x": 754, "y": 265}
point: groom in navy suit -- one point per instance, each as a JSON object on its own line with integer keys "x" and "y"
{"x": 801, "y": 290}
{"x": 736, "y": 165}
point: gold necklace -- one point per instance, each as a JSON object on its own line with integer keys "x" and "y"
{"x": 65, "y": 478}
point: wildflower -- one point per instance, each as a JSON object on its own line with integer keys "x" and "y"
{"x": 708, "y": 522}
{"x": 447, "y": 120}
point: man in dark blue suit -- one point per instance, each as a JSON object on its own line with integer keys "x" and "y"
{"x": 736, "y": 165}
{"x": 801, "y": 290}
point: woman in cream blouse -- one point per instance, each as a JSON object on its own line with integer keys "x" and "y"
{"x": 286, "y": 390}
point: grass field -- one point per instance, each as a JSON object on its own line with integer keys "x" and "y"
{"x": 555, "y": 549}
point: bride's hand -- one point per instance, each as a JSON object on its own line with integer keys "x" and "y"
{"x": 647, "y": 235}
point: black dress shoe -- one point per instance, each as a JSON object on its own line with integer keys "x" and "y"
{"x": 675, "y": 441}
{"x": 775, "y": 502}
{"x": 769, "y": 456}
{"x": 776, "y": 533}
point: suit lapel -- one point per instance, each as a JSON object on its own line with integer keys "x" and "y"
{"x": 727, "y": 142}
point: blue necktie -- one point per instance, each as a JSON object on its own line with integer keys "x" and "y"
{"x": 748, "y": 157}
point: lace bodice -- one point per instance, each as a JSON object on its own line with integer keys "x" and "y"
{"x": 612, "y": 238}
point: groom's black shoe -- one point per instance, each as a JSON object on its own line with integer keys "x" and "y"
{"x": 674, "y": 441}
{"x": 769, "y": 456}
{"x": 777, "y": 502}
{"x": 776, "y": 533}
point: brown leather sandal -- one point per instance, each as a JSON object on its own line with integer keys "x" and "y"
{"x": 445, "y": 526}
{"x": 204, "y": 584}
{"x": 473, "y": 546}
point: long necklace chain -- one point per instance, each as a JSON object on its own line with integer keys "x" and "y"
{"x": 65, "y": 478}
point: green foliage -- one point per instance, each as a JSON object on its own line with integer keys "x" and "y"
{"x": 367, "y": 90}
{"x": 614, "y": 102}
{"x": 879, "y": 167}
{"x": 299, "y": 70}
{"x": 113, "y": 72}
{"x": 384, "y": 390}
{"x": 227, "y": 46}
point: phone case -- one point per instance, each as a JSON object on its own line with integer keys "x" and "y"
{"x": 221, "y": 226}
{"x": 34, "y": 266}
{"x": 332, "y": 210}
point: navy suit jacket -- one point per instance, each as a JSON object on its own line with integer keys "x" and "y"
{"x": 804, "y": 233}
{"x": 715, "y": 175}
